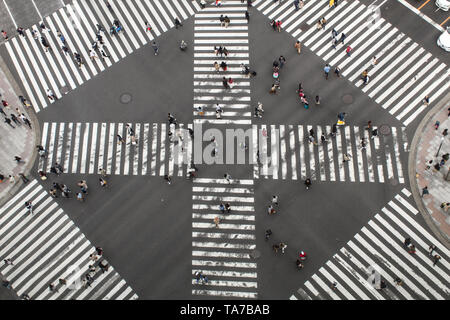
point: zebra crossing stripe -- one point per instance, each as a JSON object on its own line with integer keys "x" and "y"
{"x": 340, "y": 288}
{"x": 325, "y": 287}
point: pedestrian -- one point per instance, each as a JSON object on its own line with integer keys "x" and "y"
{"x": 296, "y": 2}
{"x": 83, "y": 186}
{"x": 168, "y": 179}
{"x": 323, "y": 22}
{"x": 177, "y": 23}
{"x": 323, "y": 138}
{"x": 18, "y": 159}
{"x": 426, "y": 100}
{"x": 29, "y": 206}
{"x": 374, "y": 61}
{"x": 267, "y": 234}
{"x": 282, "y": 61}
{"x": 247, "y": 16}
{"x": 342, "y": 38}
{"x": 92, "y": 55}
{"x": 228, "y": 207}
{"x": 436, "y": 259}
{"x": 298, "y": 46}
{"x": 8, "y": 262}
{"x": 15, "y": 120}
{"x": 445, "y": 132}
{"x": 425, "y": 191}
{"x": 4, "y": 34}
{"x": 331, "y": 4}
{"x": 319, "y": 25}
{"x": 407, "y": 242}
{"x": 24, "y": 178}
{"x": 80, "y": 197}
{"x": 3, "y": 112}
{"x": 249, "y": 3}
{"x": 437, "y": 167}
{"x": 398, "y": 281}
{"x": 374, "y": 133}
{"x": 275, "y": 200}
{"x": 155, "y": 47}
{"x": 431, "y": 249}
{"x": 223, "y": 65}
{"x": 25, "y": 120}
{"x": 363, "y": 144}
{"x": 62, "y": 281}
{"x": 283, "y": 247}
{"x": 276, "y": 247}
{"x": 278, "y": 25}
{"x": 171, "y": 119}
{"x": 203, "y": 4}
{"x": 334, "y": 33}
{"x": 227, "y": 177}
{"x": 317, "y": 100}
{"x": 299, "y": 264}
{"x": 51, "y": 95}
{"x": 346, "y": 157}
{"x": 271, "y": 210}
{"x": 8, "y": 121}
{"x": 78, "y": 59}
{"x": 412, "y": 249}
{"x": 11, "y": 179}
{"x": 45, "y": 44}
{"x": 120, "y": 139}
{"x": 20, "y": 31}
{"x": 326, "y": 69}
{"x": 337, "y": 71}
{"x": 348, "y": 51}
{"x": 307, "y": 183}
{"x": 226, "y": 21}
{"x": 53, "y": 193}
{"x": 217, "y": 221}
{"x": 222, "y": 208}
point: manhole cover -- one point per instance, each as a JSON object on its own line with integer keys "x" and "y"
{"x": 255, "y": 254}
{"x": 64, "y": 89}
{"x": 305, "y": 27}
{"x": 393, "y": 181}
{"x": 125, "y": 98}
{"x": 347, "y": 98}
{"x": 385, "y": 130}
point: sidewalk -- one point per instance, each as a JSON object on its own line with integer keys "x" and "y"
{"x": 19, "y": 141}
{"x": 424, "y": 147}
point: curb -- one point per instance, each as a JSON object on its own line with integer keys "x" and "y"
{"x": 441, "y": 105}
{"x": 36, "y": 128}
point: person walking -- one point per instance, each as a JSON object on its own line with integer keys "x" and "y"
{"x": 226, "y": 21}
{"x": 326, "y": 69}
{"x": 348, "y": 51}
{"x": 307, "y": 183}
{"x": 155, "y": 47}
{"x": 342, "y": 38}
{"x": 18, "y": 159}
{"x": 168, "y": 179}
{"x": 228, "y": 207}
{"x": 29, "y": 206}
{"x": 24, "y": 178}
{"x": 217, "y": 221}
{"x": 8, "y": 121}
{"x": 425, "y": 191}
{"x": 267, "y": 234}
{"x": 271, "y": 210}
{"x": 227, "y": 177}
{"x": 436, "y": 259}
{"x": 298, "y": 46}
{"x": 51, "y": 95}
{"x": 83, "y": 186}
{"x": 177, "y": 23}
{"x": 247, "y": 16}
{"x": 431, "y": 249}
{"x": 317, "y": 100}
{"x": 346, "y": 157}
{"x": 283, "y": 247}
{"x": 278, "y": 25}
{"x": 275, "y": 200}
{"x": 426, "y": 100}
{"x": 337, "y": 71}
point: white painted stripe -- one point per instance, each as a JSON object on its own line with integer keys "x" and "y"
{"x": 149, "y": 19}
{"x": 127, "y": 146}
{"x": 93, "y": 148}
{"x": 235, "y": 294}
{"x": 222, "y": 190}
{"x": 330, "y": 153}
{"x": 22, "y": 77}
{"x": 137, "y": 27}
{"x": 197, "y": 206}
{"x": 224, "y": 226}
{"x": 422, "y": 15}
{"x": 156, "y": 15}
{"x": 136, "y": 30}
{"x": 325, "y": 288}
{"x": 223, "y": 245}
{"x": 340, "y": 288}
{"x": 223, "y": 181}
{"x": 348, "y": 149}
{"x": 221, "y": 121}
{"x": 362, "y": 278}
{"x": 162, "y": 156}
{"x": 60, "y": 142}
{"x": 137, "y": 148}
{"x": 51, "y": 146}
{"x": 122, "y": 147}
{"x": 311, "y": 288}
{"x": 376, "y": 142}
{"x": 274, "y": 151}
{"x": 369, "y": 157}
{"x": 399, "y": 261}
{"x": 406, "y": 192}
{"x": 124, "y": 294}
{"x": 228, "y": 217}
{"x": 312, "y": 156}
{"x": 321, "y": 159}
{"x": 76, "y": 148}
{"x": 359, "y": 151}
{"x": 283, "y": 152}
{"x": 102, "y": 151}
{"x": 111, "y": 139}
{"x": 255, "y": 152}
{"x": 180, "y": 9}
{"x": 85, "y": 148}
{"x": 165, "y": 15}
{"x": 223, "y": 198}
{"x": 154, "y": 147}
{"x": 111, "y": 293}
{"x": 347, "y": 281}
{"x": 226, "y": 264}
{"x": 128, "y": 30}
{"x": 376, "y": 266}
{"x": 219, "y": 235}
{"x": 68, "y": 147}
{"x": 145, "y": 141}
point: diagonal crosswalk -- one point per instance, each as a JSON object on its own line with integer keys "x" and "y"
{"x": 377, "y": 253}
{"x": 88, "y": 147}
{"x": 286, "y": 153}
{"x": 405, "y": 72}
{"x": 209, "y": 91}
{"x": 45, "y": 246}
{"x": 56, "y": 70}
{"x": 223, "y": 253}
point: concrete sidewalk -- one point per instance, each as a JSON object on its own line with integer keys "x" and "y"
{"x": 19, "y": 141}
{"x": 425, "y": 147}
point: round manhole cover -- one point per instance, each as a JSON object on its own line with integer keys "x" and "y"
{"x": 385, "y": 130}
{"x": 125, "y": 98}
{"x": 347, "y": 98}
{"x": 393, "y": 181}
{"x": 255, "y": 254}
{"x": 64, "y": 89}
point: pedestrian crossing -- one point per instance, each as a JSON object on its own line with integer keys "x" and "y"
{"x": 377, "y": 253}
{"x": 404, "y": 73}
{"x": 224, "y": 254}
{"x": 285, "y": 152}
{"x": 45, "y": 246}
{"x": 39, "y": 70}
{"x": 209, "y": 90}
{"x": 88, "y": 147}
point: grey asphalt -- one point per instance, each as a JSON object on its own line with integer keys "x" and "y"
{"x": 144, "y": 225}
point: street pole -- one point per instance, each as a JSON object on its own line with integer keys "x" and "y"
{"x": 440, "y": 145}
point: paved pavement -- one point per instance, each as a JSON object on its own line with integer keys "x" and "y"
{"x": 431, "y": 144}
{"x": 18, "y": 141}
